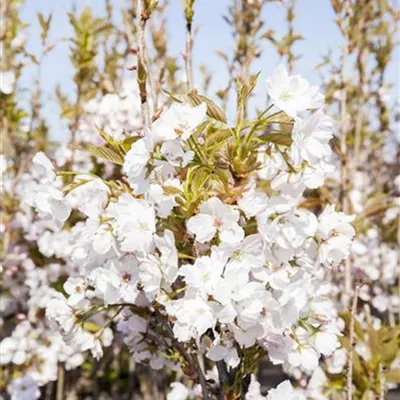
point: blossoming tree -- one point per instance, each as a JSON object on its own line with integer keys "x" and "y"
{"x": 185, "y": 239}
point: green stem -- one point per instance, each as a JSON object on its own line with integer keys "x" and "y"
{"x": 197, "y": 150}
{"x": 250, "y": 134}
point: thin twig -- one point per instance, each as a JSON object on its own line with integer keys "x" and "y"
{"x": 398, "y": 277}
{"x": 343, "y": 142}
{"x": 189, "y": 358}
{"x": 202, "y": 378}
{"x": 189, "y": 43}
{"x": 290, "y": 13}
{"x": 362, "y": 61}
{"x": 351, "y": 344}
{"x": 223, "y": 377}
{"x": 129, "y": 36}
{"x": 60, "y": 382}
{"x": 141, "y": 65}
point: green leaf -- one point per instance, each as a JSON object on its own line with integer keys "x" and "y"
{"x": 358, "y": 329}
{"x": 109, "y": 139}
{"x": 277, "y": 138}
{"x": 216, "y": 139}
{"x": 244, "y": 91}
{"x": 389, "y": 350}
{"x": 44, "y": 23}
{"x": 198, "y": 181}
{"x": 186, "y": 186}
{"x": 373, "y": 340}
{"x": 366, "y": 395}
{"x": 171, "y": 190}
{"x": 213, "y": 111}
{"x": 33, "y": 58}
{"x": 393, "y": 376}
{"x": 359, "y": 373}
{"x": 91, "y": 326}
{"x": 127, "y": 143}
{"x": 106, "y": 153}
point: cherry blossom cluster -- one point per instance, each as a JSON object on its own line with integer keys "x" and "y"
{"x": 375, "y": 268}
{"x": 284, "y": 390}
{"x": 181, "y": 273}
{"x": 375, "y": 255}
{"x": 38, "y": 252}
{"x": 116, "y": 114}
{"x": 30, "y": 344}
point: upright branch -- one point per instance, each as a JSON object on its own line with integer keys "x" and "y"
{"x": 362, "y": 61}
{"x": 89, "y": 31}
{"x": 290, "y": 18}
{"x": 398, "y": 276}
{"x": 189, "y": 12}
{"x": 131, "y": 38}
{"x": 247, "y": 24}
{"x": 158, "y": 29}
{"x": 343, "y": 23}
{"x": 382, "y": 51}
{"x": 350, "y": 360}
{"x": 285, "y": 45}
{"x": 143, "y": 12}
{"x": 10, "y": 69}
{"x": 344, "y": 117}
{"x": 36, "y": 121}
{"x": 15, "y": 143}
{"x": 367, "y": 49}
{"x": 246, "y": 48}
{"x": 129, "y": 31}
{"x": 60, "y": 382}
{"x": 201, "y": 377}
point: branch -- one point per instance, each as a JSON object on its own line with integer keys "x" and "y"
{"x": 343, "y": 140}
{"x": 189, "y": 358}
{"x": 141, "y": 64}
{"x": 362, "y": 65}
{"x": 351, "y": 345}
{"x": 60, "y": 382}
{"x": 223, "y": 377}
{"x": 202, "y": 378}
{"x": 189, "y": 12}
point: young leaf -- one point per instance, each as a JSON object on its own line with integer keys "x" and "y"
{"x": 280, "y": 139}
{"x": 106, "y": 153}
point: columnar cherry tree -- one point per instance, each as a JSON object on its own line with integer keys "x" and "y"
{"x": 169, "y": 237}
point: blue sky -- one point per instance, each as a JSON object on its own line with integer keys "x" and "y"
{"x": 314, "y": 21}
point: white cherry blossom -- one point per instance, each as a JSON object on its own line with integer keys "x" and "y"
{"x": 216, "y": 217}
{"x": 310, "y": 139}
{"x": 193, "y": 318}
{"x": 134, "y": 223}
{"x": 179, "y": 121}
{"x": 284, "y": 391}
{"x": 292, "y": 93}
